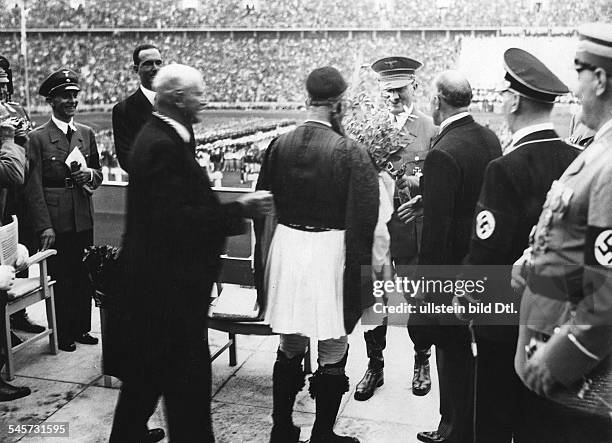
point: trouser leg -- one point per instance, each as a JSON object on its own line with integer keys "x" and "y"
{"x": 137, "y": 402}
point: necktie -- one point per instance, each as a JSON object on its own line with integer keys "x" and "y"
{"x": 69, "y": 134}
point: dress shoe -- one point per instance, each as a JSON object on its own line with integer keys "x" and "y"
{"x": 15, "y": 339}
{"x": 86, "y": 339}
{"x": 430, "y": 437}
{"x": 372, "y": 379}
{"x": 67, "y": 346}
{"x": 421, "y": 380}
{"x": 23, "y": 323}
{"x": 10, "y": 392}
{"x": 154, "y": 435}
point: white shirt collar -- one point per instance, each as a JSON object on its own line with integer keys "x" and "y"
{"x": 181, "y": 130}
{"x": 63, "y": 126}
{"x": 150, "y": 95}
{"x": 320, "y": 122}
{"x": 453, "y": 118}
{"x": 400, "y": 119}
{"x": 524, "y": 132}
{"x": 605, "y": 128}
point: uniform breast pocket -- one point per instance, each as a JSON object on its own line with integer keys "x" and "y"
{"x": 551, "y": 229}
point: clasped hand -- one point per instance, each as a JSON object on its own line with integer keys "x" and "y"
{"x": 410, "y": 210}
{"x": 257, "y": 204}
{"x": 82, "y": 176}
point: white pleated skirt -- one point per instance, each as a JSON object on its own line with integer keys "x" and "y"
{"x": 304, "y": 275}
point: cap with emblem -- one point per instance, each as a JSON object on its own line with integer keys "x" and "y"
{"x": 395, "y": 72}
{"x": 324, "y": 85}
{"x": 595, "y": 46}
{"x": 62, "y": 80}
{"x": 528, "y": 76}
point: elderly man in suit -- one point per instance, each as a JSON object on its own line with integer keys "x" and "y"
{"x": 398, "y": 84}
{"x": 175, "y": 232}
{"x": 452, "y": 177}
{"x": 130, "y": 115}
{"x": 59, "y": 206}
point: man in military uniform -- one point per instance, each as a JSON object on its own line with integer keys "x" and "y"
{"x": 565, "y": 333}
{"x": 23, "y": 125}
{"x": 514, "y": 189}
{"x": 59, "y": 205}
{"x": 398, "y": 84}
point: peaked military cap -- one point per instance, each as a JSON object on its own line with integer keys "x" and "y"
{"x": 395, "y": 72}
{"x": 595, "y": 45}
{"x": 324, "y": 85}
{"x": 62, "y": 80}
{"x": 528, "y": 76}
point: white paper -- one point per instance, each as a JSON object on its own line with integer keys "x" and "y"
{"x": 8, "y": 243}
{"x": 76, "y": 156}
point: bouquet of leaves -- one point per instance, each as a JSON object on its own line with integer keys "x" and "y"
{"x": 369, "y": 122}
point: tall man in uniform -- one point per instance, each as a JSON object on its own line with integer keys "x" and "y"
{"x": 130, "y": 115}
{"x": 565, "y": 333}
{"x": 59, "y": 206}
{"x": 23, "y": 125}
{"x": 452, "y": 178}
{"x": 514, "y": 190}
{"x": 398, "y": 84}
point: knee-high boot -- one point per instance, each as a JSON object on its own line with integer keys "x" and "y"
{"x": 287, "y": 381}
{"x": 327, "y": 386}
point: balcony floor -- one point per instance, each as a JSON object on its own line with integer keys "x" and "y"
{"x": 68, "y": 387}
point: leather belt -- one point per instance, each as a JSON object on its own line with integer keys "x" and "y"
{"x": 61, "y": 183}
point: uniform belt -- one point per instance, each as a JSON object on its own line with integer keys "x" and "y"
{"x": 308, "y": 228}
{"x": 58, "y": 183}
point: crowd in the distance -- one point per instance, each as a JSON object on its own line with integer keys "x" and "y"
{"x": 295, "y": 13}
{"x": 236, "y": 70}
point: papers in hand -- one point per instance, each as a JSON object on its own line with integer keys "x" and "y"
{"x": 8, "y": 243}
{"x": 76, "y": 156}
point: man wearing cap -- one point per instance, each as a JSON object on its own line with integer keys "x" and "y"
{"x": 59, "y": 206}
{"x": 23, "y": 125}
{"x": 565, "y": 332}
{"x": 130, "y": 115}
{"x": 398, "y": 84}
{"x": 513, "y": 192}
{"x": 452, "y": 177}
{"x": 326, "y": 196}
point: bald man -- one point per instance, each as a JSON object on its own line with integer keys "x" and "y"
{"x": 175, "y": 231}
{"x": 452, "y": 177}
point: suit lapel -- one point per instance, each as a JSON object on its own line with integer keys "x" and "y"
{"x": 457, "y": 123}
{"x": 143, "y": 103}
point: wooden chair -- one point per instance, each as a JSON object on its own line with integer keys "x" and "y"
{"x": 26, "y": 292}
{"x": 236, "y": 278}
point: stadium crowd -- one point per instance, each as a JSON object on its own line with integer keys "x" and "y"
{"x": 293, "y": 13}
{"x": 236, "y": 70}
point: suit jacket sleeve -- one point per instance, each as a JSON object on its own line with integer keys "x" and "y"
{"x": 121, "y": 136}
{"x": 12, "y": 164}
{"x": 94, "y": 161}
{"x": 441, "y": 176}
{"x": 36, "y": 206}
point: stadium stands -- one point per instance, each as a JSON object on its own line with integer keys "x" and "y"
{"x": 312, "y": 13}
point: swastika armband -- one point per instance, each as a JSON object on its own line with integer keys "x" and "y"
{"x": 598, "y": 247}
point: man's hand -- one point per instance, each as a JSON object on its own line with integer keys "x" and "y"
{"x": 538, "y": 377}
{"x": 7, "y": 129}
{"x": 7, "y": 277}
{"x": 257, "y": 204}
{"x": 22, "y": 258}
{"x": 47, "y": 238}
{"x": 518, "y": 281}
{"x": 410, "y": 210}
{"x": 408, "y": 181}
{"x": 82, "y": 176}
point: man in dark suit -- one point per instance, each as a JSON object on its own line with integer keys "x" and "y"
{"x": 514, "y": 190}
{"x": 59, "y": 206}
{"x": 130, "y": 115}
{"x": 175, "y": 232}
{"x": 452, "y": 178}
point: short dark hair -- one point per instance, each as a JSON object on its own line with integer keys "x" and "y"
{"x": 456, "y": 97}
{"x": 139, "y": 48}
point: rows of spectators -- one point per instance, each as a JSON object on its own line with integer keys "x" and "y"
{"x": 301, "y": 13}
{"x": 235, "y": 70}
